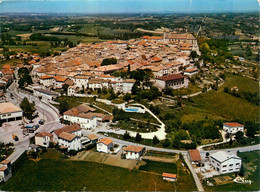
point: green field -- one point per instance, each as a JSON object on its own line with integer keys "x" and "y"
{"x": 57, "y": 174}
{"x": 221, "y": 105}
{"x": 250, "y": 160}
{"x": 159, "y": 167}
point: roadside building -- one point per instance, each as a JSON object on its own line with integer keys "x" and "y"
{"x": 46, "y": 80}
{"x": 45, "y": 94}
{"x": 83, "y": 115}
{"x": 10, "y": 112}
{"x": 92, "y": 138}
{"x": 225, "y": 162}
{"x": 5, "y": 170}
{"x": 105, "y": 145}
{"x": 169, "y": 177}
{"x": 175, "y": 81}
{"x": 59, "y": 81}
{"x": 43, "y": 139}
{"x": 68, "y": 137}
{"x": 133, "y": 152}
{"x": 233, "y": 127}
{"x": 195, "y": 156}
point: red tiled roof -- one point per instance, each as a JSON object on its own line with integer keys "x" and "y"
{"x": 106, "y": 141}
{"x": 46, "y": 77}
{"x": 67, "y": 136}
{"x": 133, "y": 148}
{"x": 3, "y": 168}
{"x": 60, "y": 79}
{"x": 68, "y": 129}
{"x": 172, "y": 77}
{"x": 195, "y": 155}
{"x": 5, "y": 161}
{"x": 43, "y": 134}
{"x": 169, "y": 175}
{"x": 92, "y": 136}
{"x": 233, "y": 124}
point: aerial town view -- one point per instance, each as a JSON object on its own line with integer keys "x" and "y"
{"x": 129, "y": 95}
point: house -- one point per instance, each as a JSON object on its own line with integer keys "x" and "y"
{"x": 133, "y": 152}
{"x": 194, "y": 156}
{"x": 68, "y": 137}
{"x": 83, "y": 115}
{"x": 225, "y": 162}
{"x": 43, "y": 139}
{"x": 190, "y": 72}
{"x": 58, "y": 81}
{"x": 45, "y": 94}
{"x": 5, "y": 170}
{"x": 175, "y": 81}
{"x": 10, "y": 112}
{"x": 104, "y": 145}
{"x": 69, "y": 141}
{"x": 233, "y": 127}
{"x": 93, "y": 138}
{"x": 46, "y": 80}
{"x": 169, "y": 177}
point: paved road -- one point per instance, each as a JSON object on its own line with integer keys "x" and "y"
{"x": 194, "y": 174}
{"x": 51, "y": 117}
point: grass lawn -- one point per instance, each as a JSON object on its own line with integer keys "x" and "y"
{"x": 187, "y": 91}
{"x": 159, "y": 167}
{"x": 59, "y": 174}
{"x": 251, "y": 165}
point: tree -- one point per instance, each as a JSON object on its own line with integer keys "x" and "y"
{"x": 126, "y": 136}
{"x": 64, "y": 106}
{"x": 251, "y": 128}
{"x": 242, "y": 171}
{"x": 239, "y": 136}
{"x": 155, "y": 140}
{"x": 127, "y": 97}
{"x": 28, "y": 108}
{"x": 193, "y": 55}
{"x": 109, "y": 61}
{"x": 65, "y": 88}
{"x": 166, "y": 143}
{"x": 138, "y": 137}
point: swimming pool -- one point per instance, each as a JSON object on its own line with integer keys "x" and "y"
{"x": 131, "y": 110}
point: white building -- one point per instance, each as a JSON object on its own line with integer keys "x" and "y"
{"x": 10, "y": 112}
{"x": 68, "y": 137}
{"x": 83, "y": 115}
{"x": 233, "y": 127}
{"x": 58, "y": 81}
{"x": 5, "y": 170}
{"x": 225, "y": 162}
{"x": 43, "y": 139}
{"x": 175, "y": 81}
{"x": 133, "y": 152}
{"x": 69, "y": 141}
{"x": 104, "y": 145}
{"x": 46, "y": 81}
{"x": 190, "y": 72}
{"x": 45, "y": 94}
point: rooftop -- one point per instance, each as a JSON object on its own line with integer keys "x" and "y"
{"x": 8, "y": 108}
{"x": 222, "y": 156}
{"x": 133, "y": 148}
{"x": 195, "y": 155}
{"x": 106, "y": 141}
{"x": 233, "y": 124}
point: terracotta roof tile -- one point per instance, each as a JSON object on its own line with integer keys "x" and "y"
{"x": 106, "y": 141}
{"x": 133, "y": 148}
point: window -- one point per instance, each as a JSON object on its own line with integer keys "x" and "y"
{"x": 224, "y": 171}
{"x": 224, "y": 165}
{"x": 230, "y": 169}
{"x": 238, "y": 164}
{"x": 231, "y": 165}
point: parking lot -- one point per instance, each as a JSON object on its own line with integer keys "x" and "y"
{"x": 8, "y": 129}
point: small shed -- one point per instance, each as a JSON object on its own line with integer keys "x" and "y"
{"x": 169, "y": 177}
{"x": 195, "y": 156}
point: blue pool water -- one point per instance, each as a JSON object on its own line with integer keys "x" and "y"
{"x": 131, "y": 110}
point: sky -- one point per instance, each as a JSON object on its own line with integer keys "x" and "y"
{"x": 127, "y": 6}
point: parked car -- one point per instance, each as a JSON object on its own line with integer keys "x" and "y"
{"x": 41, "y": 122}
{"x": 15, "y": 137}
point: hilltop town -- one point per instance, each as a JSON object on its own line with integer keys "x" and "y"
{"x": 111, "y": 108}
